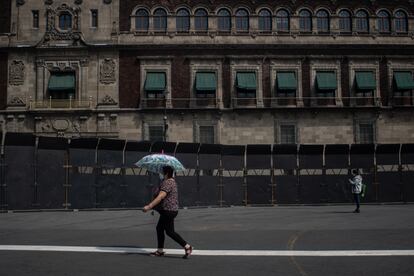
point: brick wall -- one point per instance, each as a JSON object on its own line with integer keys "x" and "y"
{"x": 129, "y": 80}
{"x": 5, "y": 16}
{"x": 180, "y": 77}
{"x": 345, "y": 80}
{"x": 3, "y": 80}
{"x": 306, "y": 81}
{"x": 384, "y": 82}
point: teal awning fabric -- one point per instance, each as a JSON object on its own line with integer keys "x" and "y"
{"x": 326, "y": 81}
{"x": 286, "y": 81}
{"x": 365, "y": 80}
{"x": 246, "y": 80}
{"x": 404, "y": 80}
{"x": 206, "y": 81}
{"x": 155, "y": 81}
{"x": 62, "y": 82}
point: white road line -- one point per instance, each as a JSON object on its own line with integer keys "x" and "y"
{"x": 246, "y": 253}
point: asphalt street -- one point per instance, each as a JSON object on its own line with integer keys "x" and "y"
{"x": 287, "y": 228}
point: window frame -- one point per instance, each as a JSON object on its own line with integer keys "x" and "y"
{"x": 160, "y": 21}
{"x": 362, "y": 21}
{"x": 141, "y": 20}
{"x": 267, "y": 25}
{"x": 204, "y": 20}
{"x": 242, "y": 23}
{"x": 224, "y": 19}
{"x": 305, "y": 22}
{"x": 182, "y": 22}
{"x": 35, "y": 19}
{"x": 345, "y": 20}
{"x": 94, "y": 18}
{"x": 283, "y": 22}
{"x": 64, "y": 23}
{"x": 323, "y": 22}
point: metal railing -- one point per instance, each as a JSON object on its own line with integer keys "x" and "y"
{"x": 60, "y": 104}
{"x": 188, "y": 103}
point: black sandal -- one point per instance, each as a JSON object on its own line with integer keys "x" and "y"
{"x": 157, "y": 254}
{"x": 188, "y": 252}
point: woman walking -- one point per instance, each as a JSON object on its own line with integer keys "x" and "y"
{"x": 166, "y": 203}
{"x": 356, "y": 183}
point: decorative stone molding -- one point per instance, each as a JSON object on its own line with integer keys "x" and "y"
{"x": 16, "y": 101}
{"x": 78, "y": 2}
{"x": 58, "y": 125}
{"x": 107, "y": 2}
{"x": 16, "y": 72}
{"x": 108, "y": 100}
{"x": 53, "y": 33}
{"x": 107, "y": 71}
{"x": 20, "y": 2}
{"x": 48, "y": 2}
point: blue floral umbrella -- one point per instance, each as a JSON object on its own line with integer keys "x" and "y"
{"x": 155, "y": 163}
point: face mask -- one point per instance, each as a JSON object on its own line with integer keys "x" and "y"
{"x": 161, "y": 176}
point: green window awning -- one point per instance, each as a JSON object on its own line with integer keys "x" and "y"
{"x": 246, "y": 80}
{"x": 206, "y": 81}
{"x": 326, "y": 81}
{"x": 286, "y": 81}
{"x": 365, "y": 80}
{"x": 155, "y": 81}
{"x": 61, "y": 82}
{"x": 404, "y": 80}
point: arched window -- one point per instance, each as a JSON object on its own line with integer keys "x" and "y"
{"x": 183, "y": 21}
{"x": 141, "y": 20}
{"x": 201, "y": 20}
{"x": 345, "y": 21}
{"x": 65, "y": 21}
{"x": 224, "y": 20}
{"x": 305, "y": 21}
{"x": 322, "y": 19}
{"x": 242, "y": 20}
{"x": 401, "y": 22}
{"x": 282, "y": 21}
{"x": 160, "y": 20}
{"x": 361, "y": 22}
{"x": 384, "y": 22}
{"x": 265, "y": 21}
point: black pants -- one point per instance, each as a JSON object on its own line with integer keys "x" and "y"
{"x": 166, "y": 223}
{"x": 357, "y": 200}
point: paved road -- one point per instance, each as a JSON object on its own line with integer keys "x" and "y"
{"x": 323, "y": 228}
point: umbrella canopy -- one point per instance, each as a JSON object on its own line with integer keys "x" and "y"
{"x": 155, "y": 163}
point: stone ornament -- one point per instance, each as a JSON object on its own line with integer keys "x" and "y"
{"x": 48, "y": 2}
{"x": 52, "y": 30}
{"x": 20, "y": 2}
{"x": 78, "y": 2}
{"x": 16, "y": 72}
{"x": 16, "y": 101}
{"x": 107, "y": 2}
{"x": 108, "y": 100}
{"x": 107, "y": 71}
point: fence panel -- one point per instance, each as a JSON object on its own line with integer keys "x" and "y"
{"x": 312, "y": 186}
{"x": 138, "y": 183}
{"x": 285, "y": 164}
{"x": 110, "y": 186}
{"x": 187, "y": 181}
{"x": 407, "y": 161}
{"x": 388, "y": 173}
{"x": 82, "y": 158}
{"x": 51, "y": 183}
{"x": 234, "y": 186}
{"x": 337, "y": 173}
{"x": 20, "y": 189}
{"x": 259, "y": 178}
{"x": 210, "y": 185}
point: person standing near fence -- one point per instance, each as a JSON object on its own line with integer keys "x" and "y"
{"x": 166, "y": 204}
{"x": 356, "y": 183}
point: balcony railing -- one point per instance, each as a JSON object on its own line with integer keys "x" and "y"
{"x": 60, "y": 104}
{"x": 187, "y": 103}
{"x": 401, "y": 101}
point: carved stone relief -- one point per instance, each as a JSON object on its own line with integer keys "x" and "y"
{"x": 108, "y": 100}
{"x": 16, "y": 101}
{"x": 107, "y": 71}
{"x": 16, "y": 72}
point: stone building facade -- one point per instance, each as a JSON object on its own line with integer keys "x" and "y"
{"x": 230, "y": 72}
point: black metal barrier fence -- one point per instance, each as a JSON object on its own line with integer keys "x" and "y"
{"x": 56, "y": 173}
